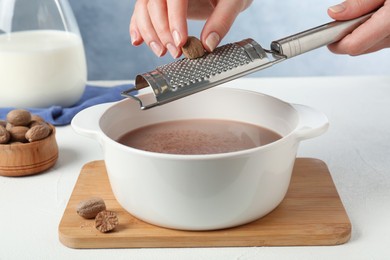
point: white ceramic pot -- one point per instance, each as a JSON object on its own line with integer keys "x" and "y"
{"x": 201, "y": 192}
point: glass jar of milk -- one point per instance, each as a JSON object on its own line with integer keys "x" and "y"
{"x": 42, "y": 59}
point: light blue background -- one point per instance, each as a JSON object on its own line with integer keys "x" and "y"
{"x": 104, "y": 28}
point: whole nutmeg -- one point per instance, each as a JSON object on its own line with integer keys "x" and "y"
{"x": 89, "y": 208}
{"x": 38, "y": 132}
{"x": 4, "y": 135}
{"x": 8, "y": 126}
{"x": 35, "y": 120}
{"x": 193, "y": 48}
{"x": 18, "y": 133}
{"x": 3, "y": 123}
{"x": 19, "y": 117}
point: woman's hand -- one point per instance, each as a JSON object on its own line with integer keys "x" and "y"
{"x": 373, "y": 35}
{"x": 162, "y": 24}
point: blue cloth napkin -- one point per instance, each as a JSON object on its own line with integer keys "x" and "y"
{"x": 93, "y": 95}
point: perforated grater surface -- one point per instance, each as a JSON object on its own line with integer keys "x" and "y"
{"x": 185, "y": 77}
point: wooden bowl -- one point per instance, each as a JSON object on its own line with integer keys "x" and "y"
{"x": 20, "y": 159}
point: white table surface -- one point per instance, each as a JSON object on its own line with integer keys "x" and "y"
{"x": 356, "y": 149}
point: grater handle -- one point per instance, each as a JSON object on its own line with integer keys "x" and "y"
{"x": 316, "y": 37}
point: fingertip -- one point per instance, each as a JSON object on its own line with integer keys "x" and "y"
{"x": 331, "y": 14}
{"x": 337, "y": 12}
{"x": 335, "y": 9}
{"x": 137, "y": 43}
{"x": 173, "y": 50}
{"x": 331, "y": 48}
{"x": 219, "y": 23}
{"x": 180, "y": 38}
{"x": 177, "y": 38}
{"x": 177, "y": 17}
{"x": 211, "y": 41}
{"x": 350, "y": 9}
{"x": 157, "y": 48}
{"x": 134, "y": 37}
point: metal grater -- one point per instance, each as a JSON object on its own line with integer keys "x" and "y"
{"x": 185, "y": 77}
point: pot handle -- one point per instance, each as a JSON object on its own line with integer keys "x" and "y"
{"x": 86, "y": 122}
{"x": 312, "y": 122}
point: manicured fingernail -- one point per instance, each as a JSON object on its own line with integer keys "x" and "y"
{"x": 337, "y": 8}
{"x": 133, "y": 36}
{"x": 176, "y": 37}
{"x": 212, "y": 40}
{"x": 156, "y": 48}
{"x": 172, "y": 50}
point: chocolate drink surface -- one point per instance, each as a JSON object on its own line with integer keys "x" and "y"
{"x": 198, "y": 136}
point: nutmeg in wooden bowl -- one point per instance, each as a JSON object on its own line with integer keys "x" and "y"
{"x": 20, "y": 159}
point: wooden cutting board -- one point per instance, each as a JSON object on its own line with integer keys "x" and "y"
{"x": 311, "y": 214}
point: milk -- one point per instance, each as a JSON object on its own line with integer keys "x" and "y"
{"x": 41, "y": 68}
